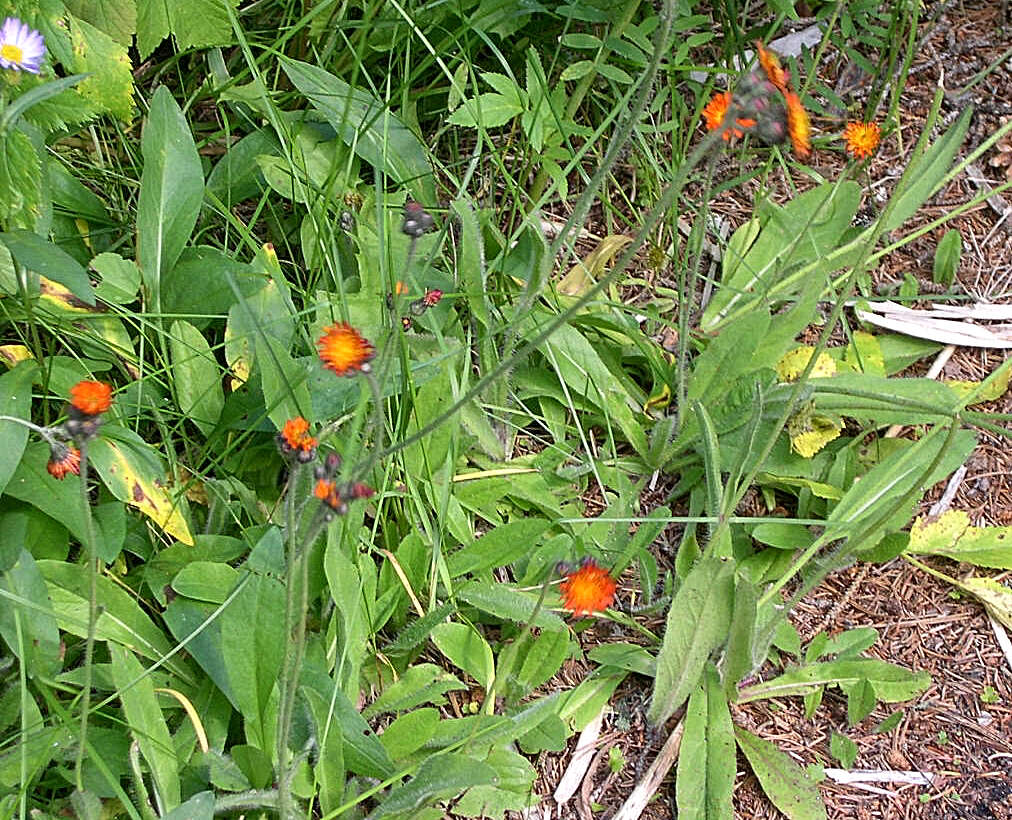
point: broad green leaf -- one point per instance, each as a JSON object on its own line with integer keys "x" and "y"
{"x": 236, "y": 176}
{"x": 30, "y": 632}
{"x": 706, "y": 759}
{"x": 698, "y": 622}
{"x": 121, "y": 619}
{"x": 44, "y": 258}
{"x": 20, "y": 181}
{"x": 506, "y": 601}
{"x": 172, "y": 187}
{"x": 498, "y": 547}
{"x": 996, "y": 597}
{"x": 133, "y": 472}
{"x": 253, "y": 643}
{"x": 195, "y": 23}
{"x": 471, "y": 262}
{"x": 34, "y": 748}
{"x": 60, "y": 500}
{"x": 410, "y": 732}
{"x": 487, "y": 110}
{"x": 952, "y": 535}
{"x": 466, "y": 649}
{"x": 196, "y": 376}
{"x": 897, "y": 478}
{"x": 117, "y": 18}
{"x": 885, "y": 401}
{"x": 147, "y": 723}
{"x": 582, "y": 369}
{"x": 947, "y": 255}
{"x": 727, "y": 357}
{"x": 204, "y": 281}
{"x": 511, "y": 792}
{"x": 110, "y": 86}
{"x": 785, "y": 783}
{"x": 15, "y": 400}
{"x": 121, "y": 279}
{"x": 889, "y": 682}
{"x": 544, "y": 658}
{"x": 198, "y": 807}
{"x": 206, "y": 581}
{"x": 621, "y": 655}
{"x": 806, "y": 228}
{"x": 442, "y": 775}
{"x": 843, "y": 749}
{"x": 421, "y": 683}
{"x": 330, "y": 767}
{"x": 924, "y": 173}
{"x": 740, "y": 657}
{"x": 366, "y": 124}
{"x": 581, "y": 705}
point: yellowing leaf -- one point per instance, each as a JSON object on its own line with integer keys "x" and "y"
{"x": 865, "y": 354}
{"x": 583, "y": 274}
{"x": 59, "y": 297}
{"x": 810, "y": 431}
{"x": 792, "y": 365}
{"x": 952, "y": 535}
{"x": 111, "y": 84}
{"x": 995, "y": 390}
{"x": 133, "y": 472}
{"x": 10, "y": 355}
{"x": 997, "y": 599}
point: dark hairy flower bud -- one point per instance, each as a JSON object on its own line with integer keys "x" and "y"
{"x": 416, "y": 220}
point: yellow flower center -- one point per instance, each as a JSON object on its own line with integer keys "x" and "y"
{"x": 12, "y": 53}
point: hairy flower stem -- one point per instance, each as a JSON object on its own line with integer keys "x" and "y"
{"x": 47, "y": 433}
{"x": 89, "y": 643}
{"x": 297, "y": 575}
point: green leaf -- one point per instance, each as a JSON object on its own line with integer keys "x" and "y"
{"x": 30, "y": 631}
{"x": 236, "y": 176}
{"x": 147, "y": 723}
{"x": 843, "y": 749}
{"x": 198, "y": 807}
{"x": 925, "y": 173}
{"x": 60, "y": 500}
{"x": 35, "y": 253}
{"x": 20, "y": 180}
{"x": 110, "y": 86}
{"x": 121, "y": 279}
{"x": 466, "y": 649}
{"x": 583, "y": 370}
{"x": 23, "y": 102}
{"x": 15, "y": 400}
{"x": 487, "y": 110}
{"x": 196, "y": 376}
{"x": 206, "y": 581}
{"x": 330, "y": 767}
{"x": 889, "y": 682}
{"x": 195, "y": 23}
{"x": 577, "y": 70}
{"x": 786, "y": 784}
{"x": 421, "y": 683}
{"x": 365, "y": 123}
{"x": 441, "y": 775}
{"x": 253, "y": 645}
{"x": 498, "y": 547}
{"x": 117, "y": 18}
{"x": 947, "y": 256}
{"x": 172, "y": 187}
{"x": 471, "y": 262}
{"x": 410, "y": 732}
{"x": 952, "y": 535}
{"x": 506, "y": 601}
{"x": 698, "y": 622}
{"x": 626, "y": 656}
{"x": 706, "y": 760}
{"x": 133, "y": 471}
{"x": 120, "y": 620}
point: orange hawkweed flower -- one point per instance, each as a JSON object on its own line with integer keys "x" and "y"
{"x": 716, "y": 110}
{"x": 771, "y": 65}
{"x": 862, "y": 138}
{"x": 63, "y": 460}
{"x": 344, "y": 350}
{"x": 588, "y": 589}
{"x": 799, "y": 128}
{"x": 294, "y": 438}
{"x": 91, "y": 398}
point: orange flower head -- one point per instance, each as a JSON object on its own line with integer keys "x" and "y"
{"x": 400, "y": 289}
{"x": 91, "y": 398}
{"x": 716, "y": 110}
{"x": 63, "y": 460}
{"x": 771, "y": 65}
{"x": 588, "y": 589}
{"x": 294, "y": 438}
{"x": 862, "y": 138}
{"x": 344, "y": 350}
{"x": 799, "y": 127}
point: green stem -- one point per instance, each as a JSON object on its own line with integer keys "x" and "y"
{"x": 89, "y": 643}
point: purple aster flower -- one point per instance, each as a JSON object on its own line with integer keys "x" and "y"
{"x": 21, "y": 47}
